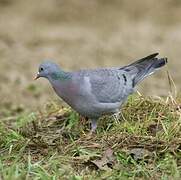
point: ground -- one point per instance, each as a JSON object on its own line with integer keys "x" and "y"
{"x": 55, "y": 143}
{"x": 41, "y": 137}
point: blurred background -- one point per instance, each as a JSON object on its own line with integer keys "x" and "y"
{"x": 80, "y": 34}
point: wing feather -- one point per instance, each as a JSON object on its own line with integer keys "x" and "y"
{"x": 107, "y": 85}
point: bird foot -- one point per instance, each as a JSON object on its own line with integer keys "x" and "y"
{"x": 116, "y": 116}
{"x": 93, "y": 125}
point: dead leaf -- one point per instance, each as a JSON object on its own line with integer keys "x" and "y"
{"x": 154, "y": 128}
{"x": 139, "y": 153}
{"x": 107, "y": 160}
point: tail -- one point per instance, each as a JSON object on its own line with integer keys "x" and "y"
{"x": 144, "y": 67}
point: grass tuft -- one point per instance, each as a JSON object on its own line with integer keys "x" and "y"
{"x": 145, "y": 142}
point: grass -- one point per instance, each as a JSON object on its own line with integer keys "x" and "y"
{"x": 54, "y": 144}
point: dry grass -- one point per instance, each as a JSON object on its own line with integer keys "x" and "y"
{"x": 55, "y": 143}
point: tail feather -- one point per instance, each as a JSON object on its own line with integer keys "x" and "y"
{"x": 144, "y": 67}
{"x": 145, "y": 59}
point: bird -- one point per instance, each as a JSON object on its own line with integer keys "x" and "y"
{"x": 94, "y": 93}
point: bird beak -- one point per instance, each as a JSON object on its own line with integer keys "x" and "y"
{"x": 37, "y": 76}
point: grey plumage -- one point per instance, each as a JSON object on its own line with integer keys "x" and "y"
{"x": 94, "y": 93}
{"x": 144, "y": 67}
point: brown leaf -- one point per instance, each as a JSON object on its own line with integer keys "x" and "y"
{"x": 106, "y": 161}
{"x": 139, "y": 153}
{"x": 154, "y": 128}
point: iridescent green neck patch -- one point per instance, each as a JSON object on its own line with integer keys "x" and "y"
{"x": 61, "y": 75}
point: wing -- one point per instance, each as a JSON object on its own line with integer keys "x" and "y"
{"x": 109, "y": 86}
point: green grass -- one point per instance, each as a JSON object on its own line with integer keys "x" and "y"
{"x": 54, "y": 144}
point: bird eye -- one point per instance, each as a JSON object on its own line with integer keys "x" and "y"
{"x": 41, "y": 69}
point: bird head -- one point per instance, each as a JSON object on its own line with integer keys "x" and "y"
{"x": 46, "y": 69}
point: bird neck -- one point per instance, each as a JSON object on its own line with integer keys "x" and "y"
{"x": 61, "y": 75}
